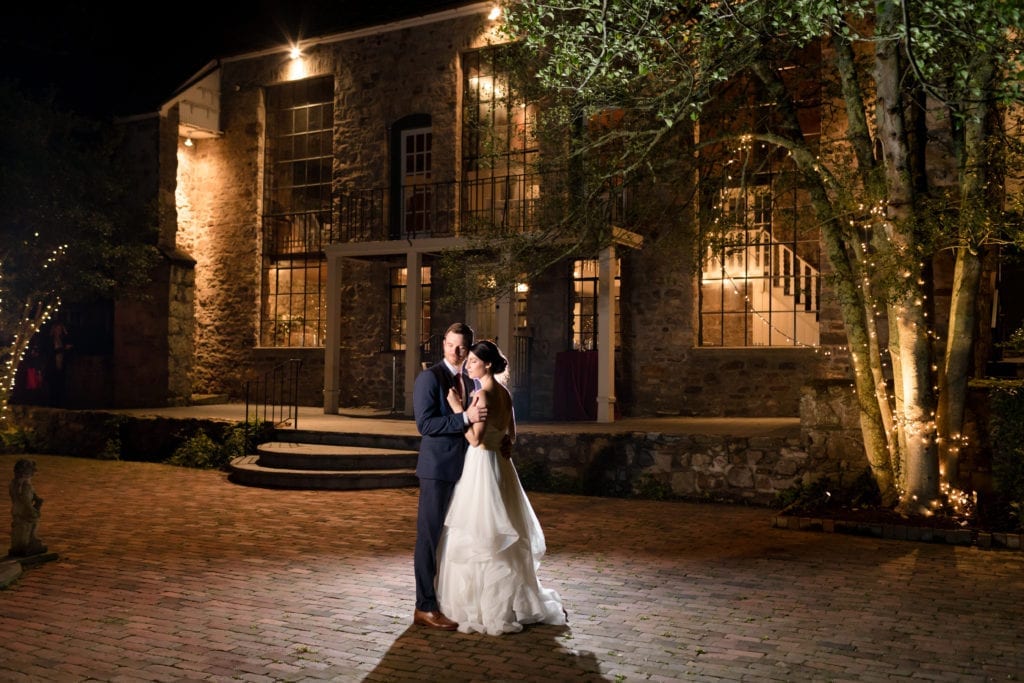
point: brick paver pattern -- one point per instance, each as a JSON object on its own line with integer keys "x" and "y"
{"x": 172, "y": 574}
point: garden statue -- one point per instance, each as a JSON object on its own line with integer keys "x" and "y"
{"x": 25, "y": 505}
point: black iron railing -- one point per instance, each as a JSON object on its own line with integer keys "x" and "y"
{"x": 492, "y": 205}
{"x": 274, "y": 397}
{"x": 520, "y": 365}
{"x": 441, "y": 209}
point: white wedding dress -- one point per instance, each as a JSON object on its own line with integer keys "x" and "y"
{"x": 491, "y": 548}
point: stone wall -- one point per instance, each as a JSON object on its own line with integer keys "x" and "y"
{"x": 727, "y": 468}
{"x": 649, "y": 464}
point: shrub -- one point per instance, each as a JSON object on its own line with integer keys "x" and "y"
{"x": 1007, "y": 437}
{"x": 203, "y": 452}
{"x": 14, "y": 439}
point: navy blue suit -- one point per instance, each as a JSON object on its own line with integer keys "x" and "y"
{"x": 439, "y": 465}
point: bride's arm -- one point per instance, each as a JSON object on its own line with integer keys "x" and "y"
{"x": 475, "y": 433}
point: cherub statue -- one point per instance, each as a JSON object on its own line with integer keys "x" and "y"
{"x": 25, "y": 505}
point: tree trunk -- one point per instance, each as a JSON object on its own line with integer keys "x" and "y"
{"x": 956, "y": 366}
{"x": 975, "y": 206}
{"x": 873, "y": 411}
{"x": 894, "y": 238}
{"x": 34, "y": 314}
{"x": 914, "y": 402}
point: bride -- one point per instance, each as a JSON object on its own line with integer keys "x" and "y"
{"x": 492, "y": 543}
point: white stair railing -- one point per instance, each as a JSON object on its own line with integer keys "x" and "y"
{"x": 782, "y": 288}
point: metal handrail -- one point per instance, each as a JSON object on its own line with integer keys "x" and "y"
{"x": 439, "y": 209}
{"x": 276, "y": 394}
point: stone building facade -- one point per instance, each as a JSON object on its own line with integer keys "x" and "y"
{"x": 363, "y": 343}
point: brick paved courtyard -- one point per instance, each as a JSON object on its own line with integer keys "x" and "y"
{"x": 169, "y": 574}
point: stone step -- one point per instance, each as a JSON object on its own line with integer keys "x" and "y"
{"x": 323, "y": 460}
{"x": 319, "y": 456}
{"x": 372, "y": 441}
{"x": 208, "y": 399}
{"x": 248, "y": 470}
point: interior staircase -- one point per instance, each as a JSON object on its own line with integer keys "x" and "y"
{"x": 303, "y": 459}
{"x": 781, "y": 288}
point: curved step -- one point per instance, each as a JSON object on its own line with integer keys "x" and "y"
{"x": 306, "y": 456}
{"x": 248, "y": 470}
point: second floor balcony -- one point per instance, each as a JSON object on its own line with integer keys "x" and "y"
{"x": 505, "y": 204}
{"x": 494, "y": 205}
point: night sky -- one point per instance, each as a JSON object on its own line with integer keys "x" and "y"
{"x": 101, "y": 59}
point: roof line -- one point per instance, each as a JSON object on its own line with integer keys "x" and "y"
{"x": 442, "y": 15}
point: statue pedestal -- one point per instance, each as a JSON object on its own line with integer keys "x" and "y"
{"x": 9, "y": 571}
{"x": 11, "y": 567}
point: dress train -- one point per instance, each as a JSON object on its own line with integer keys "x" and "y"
{"x": 490, "y": 551}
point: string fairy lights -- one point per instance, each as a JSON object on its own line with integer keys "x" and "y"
{"x": 779, "y": 262}
{"x": 36, "y": 311}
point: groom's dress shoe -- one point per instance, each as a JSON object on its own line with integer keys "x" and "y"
{"x": 433, "y": 620}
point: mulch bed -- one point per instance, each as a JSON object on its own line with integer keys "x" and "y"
{"x": 887, "y": 523}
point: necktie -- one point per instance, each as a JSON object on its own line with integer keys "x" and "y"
{"x": 459, "y": 387}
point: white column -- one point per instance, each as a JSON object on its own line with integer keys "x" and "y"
{"x": 332, "y": 342}
{"x": 413, "y": 299}
{"x": 606, "y": 335}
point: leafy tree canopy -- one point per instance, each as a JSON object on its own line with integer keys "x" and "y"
{"x": 73, "y": 226}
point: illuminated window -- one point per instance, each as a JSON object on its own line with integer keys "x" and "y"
{"x": 584, "y": 304}
{"x": 522, "y": 295}
{"x": 295, "y": 297}
{"x": 760, "y": 280}
{"x": 499, "y": 144}
{"x": 297, "y": 217}
{"x": 399, "y": 306}
{"x": 760, "y": 239}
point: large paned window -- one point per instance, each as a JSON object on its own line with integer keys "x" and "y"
{"x": 499, "y": 145}
{"x": 760, "y": 280}
{"x": 297, "y": 216}
{"x": 399, "y": 306}
{"x": 584, "y": 304}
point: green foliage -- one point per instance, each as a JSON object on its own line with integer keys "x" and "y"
{"x": 650, "y": 487}
{"x": 111, "y": 449}
{"x": 825, "y": 495}
{"x": 805, "y": 496}
{"x": 199, "y": 451}
{"x": 202, "y": 452}
{"x": 1007, "y": 440}
{"x": 64, "y": 188}
{"x": 1015, "y": 343}
{"x": 14, "y": 439}
{"x": 750, "y": 73}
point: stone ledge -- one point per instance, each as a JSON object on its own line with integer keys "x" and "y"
{"x": 903, "y": 532}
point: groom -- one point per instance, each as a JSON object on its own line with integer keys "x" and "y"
{"x": 439, "y": 465}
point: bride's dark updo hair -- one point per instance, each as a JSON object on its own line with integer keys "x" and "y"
{"x": 488, "y": 352}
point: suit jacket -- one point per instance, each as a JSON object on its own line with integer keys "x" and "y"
{"x": 443, "y": 442}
